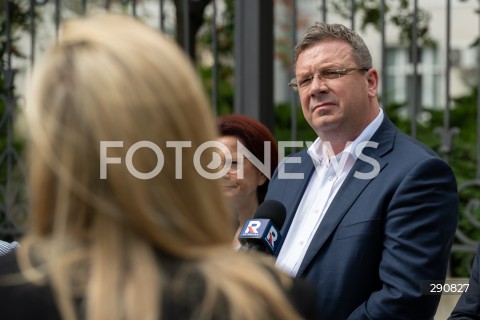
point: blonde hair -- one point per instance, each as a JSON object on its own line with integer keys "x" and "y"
{"x": 111, "y": 78}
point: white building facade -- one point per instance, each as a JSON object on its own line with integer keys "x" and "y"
{"x": 432, "y": 61}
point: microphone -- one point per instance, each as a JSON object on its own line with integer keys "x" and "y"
{"x": 261, "y": 233}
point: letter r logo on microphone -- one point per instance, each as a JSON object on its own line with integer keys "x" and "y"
{"x": 272, "y": 236}
{"x": 253, "y": 226}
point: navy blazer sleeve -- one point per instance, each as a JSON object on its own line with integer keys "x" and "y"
{"x": 468, "y": 306}
{"x": 419, "y": 227}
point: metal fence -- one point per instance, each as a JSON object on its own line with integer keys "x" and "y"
{"x": 252, "y": 56}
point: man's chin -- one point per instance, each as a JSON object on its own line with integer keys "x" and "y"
{"x": 323, "y": 123}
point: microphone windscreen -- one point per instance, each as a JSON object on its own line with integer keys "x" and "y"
{"x": 273, "y": 210}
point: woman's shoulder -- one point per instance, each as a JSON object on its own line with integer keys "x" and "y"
{"x": 303, "y": 296}
{"x": 184, "y": 300}
{"x": 21, "y": 299}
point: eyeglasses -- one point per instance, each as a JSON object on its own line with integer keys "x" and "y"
{"x": 327, "y": 74}
{"x": 234, "y": 165}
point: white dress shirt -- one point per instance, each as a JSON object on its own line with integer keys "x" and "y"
{"x": 330, "y": 173}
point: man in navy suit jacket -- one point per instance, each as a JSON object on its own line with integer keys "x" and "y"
{"x": 371, "y": 212}
{"x": 468, "y": 306}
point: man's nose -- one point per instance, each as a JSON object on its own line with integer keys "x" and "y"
{"x": 318, "y": 85}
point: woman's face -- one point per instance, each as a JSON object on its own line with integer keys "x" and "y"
{"x": 241, "y": 191}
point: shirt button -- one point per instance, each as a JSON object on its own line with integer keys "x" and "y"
{"x": 330, "y": 178}
{"x": 301, "y": 243}
{"x": 316, "y": 210}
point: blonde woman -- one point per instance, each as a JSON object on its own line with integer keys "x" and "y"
{"x": 111, "y": 235}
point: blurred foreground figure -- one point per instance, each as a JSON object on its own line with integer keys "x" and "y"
{"x": 121, "y": 226}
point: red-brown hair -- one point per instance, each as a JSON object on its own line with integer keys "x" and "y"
{"x": 252, "y": 134}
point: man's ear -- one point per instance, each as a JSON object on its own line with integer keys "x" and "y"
{"x": 372, "y": 82}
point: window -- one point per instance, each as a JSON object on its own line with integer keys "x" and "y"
{"x": 400, "y": 76}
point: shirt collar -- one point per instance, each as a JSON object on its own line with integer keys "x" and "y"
{"x": 318, "y": 151}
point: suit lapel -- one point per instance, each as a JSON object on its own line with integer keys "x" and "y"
{"x": 350, "y": 190}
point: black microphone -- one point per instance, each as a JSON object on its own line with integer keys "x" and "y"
{"x": 261, "y": 233}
